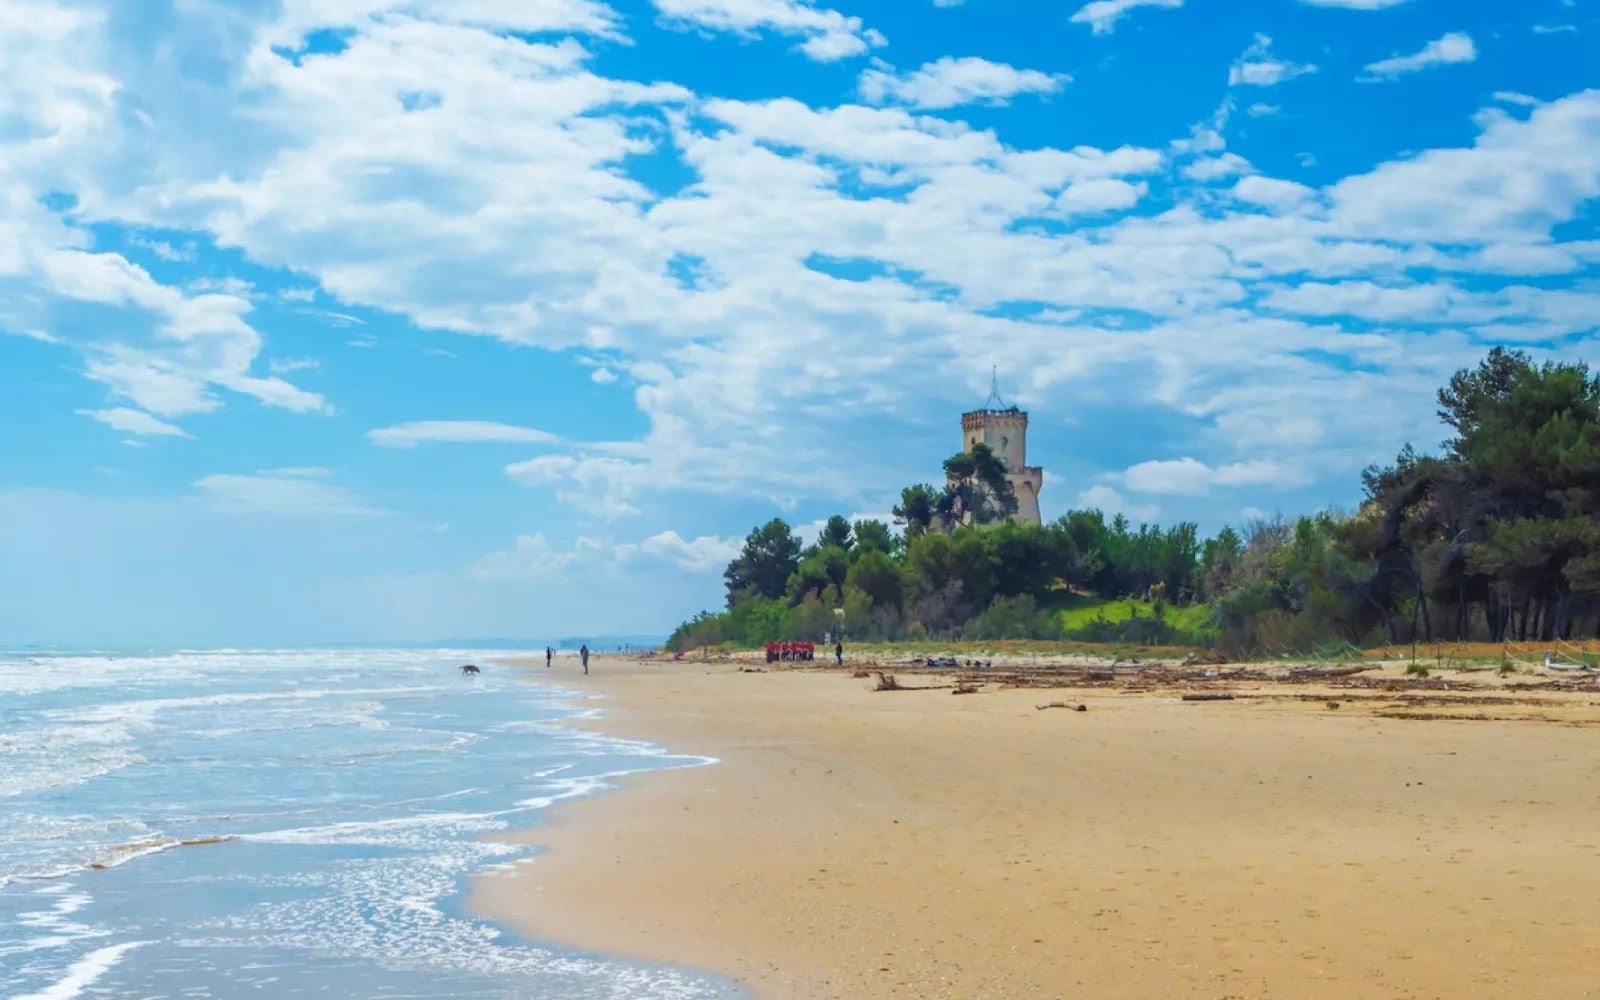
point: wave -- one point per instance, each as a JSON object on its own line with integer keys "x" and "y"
{"x": 84, "y": 972}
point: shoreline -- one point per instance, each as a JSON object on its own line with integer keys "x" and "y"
{"x": 898, "y": 844}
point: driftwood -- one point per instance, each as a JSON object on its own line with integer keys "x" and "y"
{"x": 1312, "y": 673}
{"x": 886, "y": 682}
{"x": 1208, "y": 696}
{"x": 962, "y": 688}
{"x": 1062, "y": 704}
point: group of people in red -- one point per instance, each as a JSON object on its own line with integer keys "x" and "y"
{"x": 791, "y": 651}
{"x": 800, "y": 651}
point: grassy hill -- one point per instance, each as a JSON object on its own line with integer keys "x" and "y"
{"x": 1074, "y": 612}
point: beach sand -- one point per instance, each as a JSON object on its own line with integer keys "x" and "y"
{"x": 854, "y": 843}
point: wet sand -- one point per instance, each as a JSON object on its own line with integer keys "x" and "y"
{"x": 913, "y": 844}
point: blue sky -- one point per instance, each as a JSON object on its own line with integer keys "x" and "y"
{"x": 362, "y": 320}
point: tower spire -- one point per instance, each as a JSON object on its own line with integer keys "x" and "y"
{"x": 994, "y": 402}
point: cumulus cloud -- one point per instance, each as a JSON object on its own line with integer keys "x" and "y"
{"x": 1270, "y": 192}
{"x": 531, "y": 557}
{"x": 409, "y": 435}
{"x": 949, "y": 82}
{"x": 1455, "y": 47}
{"x": 807, "y": 279}
{"x": 705, "y": 554}
{"x": 1257, "y": 67}
{"x": 1190, "y": 477}
{"x": 1102, "y": 15}
{"x": 827, "y": 35}
{"x": 1109, "y": 501}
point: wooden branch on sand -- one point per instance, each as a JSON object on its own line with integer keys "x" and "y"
{"x": 1312, "y": 673}
{"x": 1062, "y": 704}
{"x": 1209, "y": 696}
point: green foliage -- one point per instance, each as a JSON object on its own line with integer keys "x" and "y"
{"x": 762, "y": 569}
{"x": 1017, "y": 617}
{"x": 873, "y": 536}
{"x": 820, "y": 574}
{"x": 836, "y": 533}
{"x": 978, "y": 491}
{"x": 1498, "y": 538}
{"x": 875, "y": 575}
{"x": 918, "y": 509}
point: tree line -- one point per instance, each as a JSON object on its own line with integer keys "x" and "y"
{"x": 1495, "y": 538}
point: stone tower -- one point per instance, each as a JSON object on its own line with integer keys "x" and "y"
{"x": 1005, "y": 430}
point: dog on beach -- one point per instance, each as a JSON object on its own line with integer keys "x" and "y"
{"x": 470, "y": 668}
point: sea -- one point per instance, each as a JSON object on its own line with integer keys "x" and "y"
{"x": 290, "y": 823}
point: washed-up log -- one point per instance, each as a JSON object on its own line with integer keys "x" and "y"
{"x": 1062, "y": 704}
{"x": 1311, "y": 673}
{"x": 1208, "y": 696}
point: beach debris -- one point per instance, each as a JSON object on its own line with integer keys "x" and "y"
{"x": 962, "y": 687}
{"x": 1062, "y": 704}
{"x": 1333, "y": 705}
{"x": 1208, "y": 696}
{"x": 860, "y": 673}
{"x": 886, "y": 682}
{"x": 1312, "y": 673}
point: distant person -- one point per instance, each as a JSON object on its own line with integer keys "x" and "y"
{"x": 838, "y": 653}
{"x": 549, "y": 654}
{"x": 583, "y": 654}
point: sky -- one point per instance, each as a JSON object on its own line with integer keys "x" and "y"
{"x": 390, "y": 320}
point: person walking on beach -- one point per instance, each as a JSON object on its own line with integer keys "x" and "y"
{"x": 583, "y": 654}
{"x": 548, "y": 653}
{"x": 838, "y": 653}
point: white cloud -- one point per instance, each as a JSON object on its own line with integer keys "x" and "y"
{"x": 294, "y": 491}
{"x": 1356, "y": 4}
{"x": 602, "y": 376}
{"x": 130, "y": 421}
{"x": 288, "y": 366}
{"x": 599, "y": 485}
{"x": 301, "y": 17}
{"x": 1100, "y": 195}
{"x": 1219, "y": 167}
{"x": 827, "y": 35}
{"x": 1513, "y": 97}
{"x": 1102, "y": 15}
{"x": 1272, "y": 193}
{"x": 1256, "y": 67}
{"x": 705, "y": 554}
{"x": 1455, "y": 47}
{"x": 1109, "y": 501}
{"x": 41, "y": 336}
{"x": 949, "y": 82}
{"x": 1190, "y": 477}
{"x": 1519, "y": 179}
{"x": 506, "y": 209}
{"x": 409, "y": 435}
{"x": 530, "y": 558}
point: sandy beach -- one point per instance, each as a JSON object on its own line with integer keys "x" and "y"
{"x": 1436, "y": 839}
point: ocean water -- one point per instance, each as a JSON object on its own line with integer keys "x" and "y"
{"x": 256, "y": 823}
